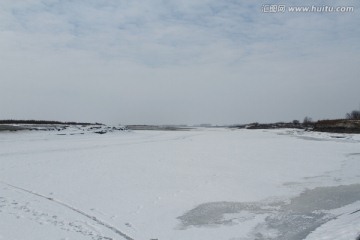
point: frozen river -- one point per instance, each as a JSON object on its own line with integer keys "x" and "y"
{"x": 201, "y": 184}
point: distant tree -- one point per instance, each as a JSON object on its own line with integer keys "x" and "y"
{"x": 296, "y": 122}
{"x": 307, "y": 120}
{"x": 354, "y": 115}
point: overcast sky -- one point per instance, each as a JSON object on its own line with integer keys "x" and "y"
{"x": 176, "y": 61}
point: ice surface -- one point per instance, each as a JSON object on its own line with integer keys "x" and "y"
{"x": 199, "y": 184}
{"x": 293, "y": 220}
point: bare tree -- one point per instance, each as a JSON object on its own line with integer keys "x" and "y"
{"x": 354, "y": 115}
{"x": 307, "y": 120}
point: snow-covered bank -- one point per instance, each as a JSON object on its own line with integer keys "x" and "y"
{"x": 62, "y": 129}
{"x": 142, "y": 183}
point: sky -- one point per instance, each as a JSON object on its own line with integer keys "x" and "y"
{"x": 177, "y": 61}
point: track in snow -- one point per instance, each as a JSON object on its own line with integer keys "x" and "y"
{"x": 89, "y": 216}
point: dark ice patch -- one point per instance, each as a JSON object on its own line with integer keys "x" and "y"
{"x": 292, "y": 221}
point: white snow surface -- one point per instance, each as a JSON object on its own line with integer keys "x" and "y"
{"x": 138, "y": 184}
{"x": 345, "y": 226}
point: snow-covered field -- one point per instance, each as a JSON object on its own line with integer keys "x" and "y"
{"x": 203, "y": 184}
